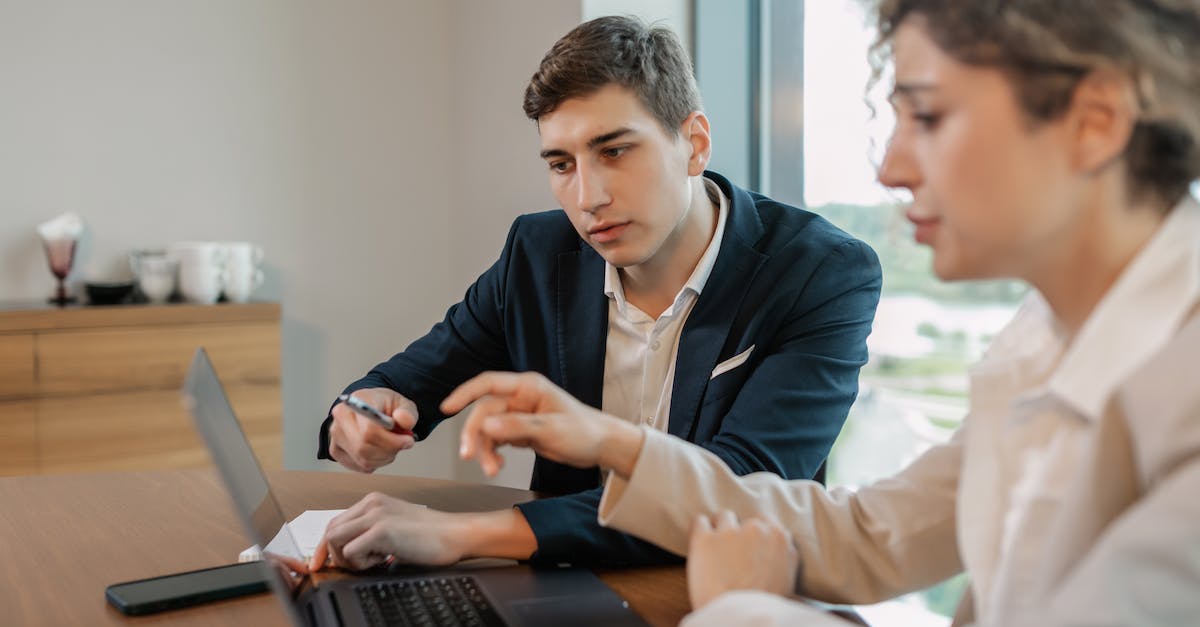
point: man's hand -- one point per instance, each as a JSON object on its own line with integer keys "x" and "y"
{"x": 362, "y": 445}
{"x": 527, "y": 410}
{"x": 724, "y": 555}
{"x": 381, "y": 528}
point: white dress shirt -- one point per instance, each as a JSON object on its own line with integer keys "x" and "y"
{"x": 1035, "y": 399}
{"x": 640, "y": 352}
{"x": 1067, "y": 496}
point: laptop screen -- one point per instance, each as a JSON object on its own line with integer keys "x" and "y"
{"x": 244, "y": 479}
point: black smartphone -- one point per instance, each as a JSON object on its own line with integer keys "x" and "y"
{"x": 156, "y": 594}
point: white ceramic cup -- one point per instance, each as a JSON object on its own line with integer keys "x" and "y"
{"x": 155, "y": 271}
{"x": 200, "y": 270}
{"x": 242, "y": 273}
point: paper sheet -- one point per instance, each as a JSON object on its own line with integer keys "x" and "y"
{"x": 307, "y": 529}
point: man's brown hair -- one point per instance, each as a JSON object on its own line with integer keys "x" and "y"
{"x": 649, "y": 61}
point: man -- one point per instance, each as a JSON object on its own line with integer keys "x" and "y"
{"x": 660, "y": 293}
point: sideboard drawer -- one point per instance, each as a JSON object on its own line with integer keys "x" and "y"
{"x": 16, "y": 366}
{"x": 126, "y": 359}
{"x": 147, "y": 429}
{"x": 18, "y": 438}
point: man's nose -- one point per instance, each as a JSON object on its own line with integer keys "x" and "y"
{"x": 592, "y": 188}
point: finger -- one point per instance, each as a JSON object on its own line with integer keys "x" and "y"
{"x": 344, "y": 458}
{"x": 374, "y": 436}
{"x": 357, "y": 462}
{"x": 346, "y": 433}
{"x": 516, "y": 428}
{"x": 405, "y": 416}
{"x": 471, "y": 440}
{"x": 337, "y": 539}
{"x": 481, "y": 446}
{"x": 726, "y": 520}
{"x": 345, "y": 423}
{"x": 366, "y": 550}
{"x": 320, "y": 556}
{"x": 492, "y": 463}
{"x": 467, "y": 438}
{"x": 501, "y": 384}
{"x": 701, "y": 525}
{"x": 296, "y": 565}
{"x": 355, "y": 512}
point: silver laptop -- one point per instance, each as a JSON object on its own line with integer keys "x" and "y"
{"x": 509, "y": 595}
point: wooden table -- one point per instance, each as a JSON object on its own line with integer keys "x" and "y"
{"x": 64, "y": 538}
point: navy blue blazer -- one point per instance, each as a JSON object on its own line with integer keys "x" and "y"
{"x": 787, "y": 282}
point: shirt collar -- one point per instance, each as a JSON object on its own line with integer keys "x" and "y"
{"x": 695, "y": 283}
{"x": 1138, "y": 315}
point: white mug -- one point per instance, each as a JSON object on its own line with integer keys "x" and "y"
{"x": 200, "y": 270}
{"x": 242, "y": 274}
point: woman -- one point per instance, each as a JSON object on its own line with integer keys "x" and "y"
{"x": 1050, "y": 141}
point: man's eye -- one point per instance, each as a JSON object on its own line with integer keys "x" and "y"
{"x": 560, "y": 166}
{"x": 614, "y": 152}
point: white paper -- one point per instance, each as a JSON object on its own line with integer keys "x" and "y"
{"x": 307, "y": 529}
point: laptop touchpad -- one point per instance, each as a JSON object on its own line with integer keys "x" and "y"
{"x": 552, "y": 611}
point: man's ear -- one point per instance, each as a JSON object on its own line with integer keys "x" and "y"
{"x": 1104, "y": 111}
{"x": 695, "y": 132}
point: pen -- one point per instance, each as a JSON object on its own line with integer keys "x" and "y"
{"x": 363, "y": 409}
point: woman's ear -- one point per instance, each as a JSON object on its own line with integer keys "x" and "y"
{"x": 1104, "y": 111}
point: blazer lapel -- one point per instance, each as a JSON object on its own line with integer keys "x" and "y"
{"x": 708, "y": 325}
{"x": 581, "y": 320}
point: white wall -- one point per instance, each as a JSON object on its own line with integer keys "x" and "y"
{"x": 497, "y": 172}
{"x": 331, "y": 133}
{"x": 674, "y": 14}
{"x": 376, "y": 149}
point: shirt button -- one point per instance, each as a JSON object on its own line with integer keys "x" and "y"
{"x": 655, "y": 345}
{"x": 650, "y": 420}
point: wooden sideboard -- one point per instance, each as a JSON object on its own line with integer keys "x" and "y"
{"x": 86, "y": 389}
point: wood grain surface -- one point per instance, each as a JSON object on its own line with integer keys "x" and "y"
{"x": 65, "y": 538}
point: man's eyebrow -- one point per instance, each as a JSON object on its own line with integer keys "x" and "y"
{"x": 607, "y": 137}
{"x": 592, "y": 143}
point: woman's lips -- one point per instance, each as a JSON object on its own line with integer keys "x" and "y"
{"x": 926, "y": 226}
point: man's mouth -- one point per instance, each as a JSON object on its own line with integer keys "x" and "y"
{"x": 606, "y": 231}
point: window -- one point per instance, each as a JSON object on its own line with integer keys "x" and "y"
{"x": 806, "y": 135}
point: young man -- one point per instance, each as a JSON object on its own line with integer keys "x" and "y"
{"x": 660, "y": 293}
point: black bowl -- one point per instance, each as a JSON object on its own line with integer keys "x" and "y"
{"x": 108, "y": 293}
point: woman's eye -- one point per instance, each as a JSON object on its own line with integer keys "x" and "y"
{"x": 927, "y": 121}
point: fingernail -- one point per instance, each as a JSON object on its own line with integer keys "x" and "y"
{"x": 462, "y": 450}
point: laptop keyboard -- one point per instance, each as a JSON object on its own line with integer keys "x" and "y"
{"x": 431, "y": 602}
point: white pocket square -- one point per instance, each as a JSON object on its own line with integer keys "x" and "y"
{"x": 731, "y": 363}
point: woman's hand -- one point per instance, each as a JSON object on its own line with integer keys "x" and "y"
{"x": 725, "y": 555}
{"x": 527, "y": 410}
